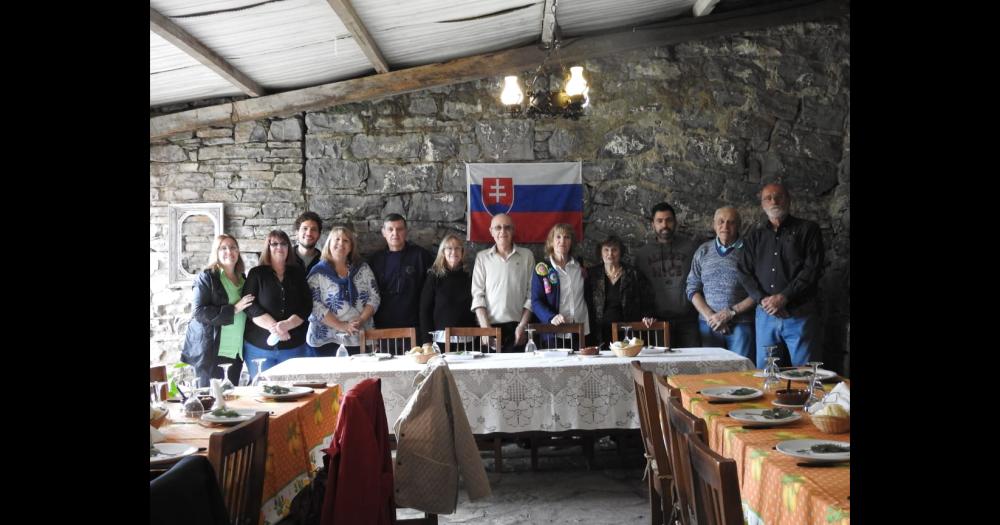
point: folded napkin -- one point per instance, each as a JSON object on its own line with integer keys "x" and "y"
{"x": 220, "y": 400}
{"x": 840, "y": 395}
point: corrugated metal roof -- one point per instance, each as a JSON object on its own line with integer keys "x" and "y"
{"x": 289, "y": 44}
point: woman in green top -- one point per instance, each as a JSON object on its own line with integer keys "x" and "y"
{"x": 215, "y": 333}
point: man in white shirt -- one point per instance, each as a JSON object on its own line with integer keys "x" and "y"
{"x": 501, "y": 285}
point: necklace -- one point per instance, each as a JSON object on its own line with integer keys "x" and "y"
{"x": 614, "y": 274}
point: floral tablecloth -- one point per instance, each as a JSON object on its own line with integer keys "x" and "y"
{"x": 521, "y": 392}
{"x": 774, "y": 489}
{"x": 298, "y": 432}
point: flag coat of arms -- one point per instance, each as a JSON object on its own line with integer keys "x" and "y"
{"x": 537, "y": 196}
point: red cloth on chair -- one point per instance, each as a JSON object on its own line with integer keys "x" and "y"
{"x": 359, "y": 485}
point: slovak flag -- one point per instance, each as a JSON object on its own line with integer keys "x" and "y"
{"x": 537, "y": 196}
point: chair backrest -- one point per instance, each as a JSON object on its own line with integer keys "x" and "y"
{"x": 470, "y": 338}
{"x": 658, "y": 333}
{"x": 649, "y": 425}
{"x": 187, "y": 493}
{"x": 683, "y": 427}
{"x": 716, "y": 486}
{"x": 573, "y": 330}
{"x": 238, "y": 455}
{"x": 159, "y": 373}
{"x": 390, "y": 340}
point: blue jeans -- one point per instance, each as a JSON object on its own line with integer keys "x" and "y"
{"x": 799, "y": 332}
{"x": 273, "y": 357}
{"x": 740, "y": 341}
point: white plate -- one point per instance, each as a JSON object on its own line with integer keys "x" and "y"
{"x": 245, "y": 414}
{"x": 823, "y": 374}
{"x": 294, "y": 392}
{"x": 800, "y": 448}
{"x": 783, "y": 405}
{"x": 554, "y": 352}
{"x": 171, "y": 452}
{"x": 753, "y": 417}
{"x": 653, "y": 350}
{"x": 464, "y": 356}
{"x": 723, "y": 392}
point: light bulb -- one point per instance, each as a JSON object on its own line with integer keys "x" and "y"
{"x": 511, "y": 91}
{"x": 577, "y": 85}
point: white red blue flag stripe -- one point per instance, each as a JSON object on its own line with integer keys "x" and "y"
{"x": 535, "y": 195}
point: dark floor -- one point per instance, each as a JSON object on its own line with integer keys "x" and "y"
{"x": 563, "y": 490}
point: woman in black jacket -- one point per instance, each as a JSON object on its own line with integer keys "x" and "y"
{"x": 615, "y": 291}
{"x": 446, "y": 299}
{"x": 282, "y": 303}
{"x": 215, "y": 333}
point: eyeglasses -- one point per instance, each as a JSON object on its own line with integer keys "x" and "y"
{"x": 500, "y": 227}
{"x": 278, "y": 244}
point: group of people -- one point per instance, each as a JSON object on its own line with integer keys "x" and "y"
{"x": 743, "y": 294}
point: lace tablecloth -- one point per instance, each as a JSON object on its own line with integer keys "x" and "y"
{"x": 521, "y": 392}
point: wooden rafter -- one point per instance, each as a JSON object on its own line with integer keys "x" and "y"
{"x": 350, "y": 18}
{"x": 183, "y": 40}
{"x": 548, "y": 22}
{"x": 492, "y": 64}
{"x": 703, "y": 7}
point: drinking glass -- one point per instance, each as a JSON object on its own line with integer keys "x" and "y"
{"x": 530, "y": 347}
{"x": 771, "y": 380}
{"x": 193, "y": 406}
{"x": 628, "y": 334}
{"x": 814, "y": 385}
{"x": 227, "y": 386}
{"x": 260, "y": 363}
{"x": 342, "y": 350}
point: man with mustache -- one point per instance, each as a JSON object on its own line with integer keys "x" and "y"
{"x": 780, "y": 269}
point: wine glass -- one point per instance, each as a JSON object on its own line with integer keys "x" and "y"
{"x": 771, "y": 380}
{"x": 342, "y": 350}
{"x": 628, "y": 334}
{"x": 814, "y": 385}
{"x": 260, "y": 363}
{"x": 434, "y": 343}
{"x": 530, "y": 347}
{"x": 227, "y": 386}
{"x": 192, "y": 405}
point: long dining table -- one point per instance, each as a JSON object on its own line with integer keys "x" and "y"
{"x": 775, "y": 489}
{"x": 517, "y": 392}
{"x": 299, "y": 430}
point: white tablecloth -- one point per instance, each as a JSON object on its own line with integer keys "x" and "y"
{"x": 521, "y": 392}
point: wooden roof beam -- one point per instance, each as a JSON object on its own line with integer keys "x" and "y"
{"x": 548, "y": 23}
{"x": 703, "y": 7}
{"x": 183, "y": 40}
{"x": 493, "y": 64}
{"x": 350, "y": 18}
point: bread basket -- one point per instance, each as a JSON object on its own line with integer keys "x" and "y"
{"x": 157, "y": 416}
{"x": 627, "y": 351}
{"x": 832, "y": 424}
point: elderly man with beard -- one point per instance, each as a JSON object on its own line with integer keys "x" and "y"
{"x": 780, "y": 268}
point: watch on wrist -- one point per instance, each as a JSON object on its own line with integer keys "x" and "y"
{"x": 732, "y": 310}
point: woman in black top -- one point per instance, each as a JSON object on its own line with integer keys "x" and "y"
{"x": 615, "y": 291}
{"x": 282, "y": 304}
{"x": 446, "y": 299}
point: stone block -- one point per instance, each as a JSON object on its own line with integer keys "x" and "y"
{"x": 276, "y": 210}
{"x": 286, "y": 153}
{"x": 453, "y": 178}
{"x": 339, "y": 206}
{"x": 292, "y": 166}
{"x": 457, "y": 110}
{"x": 468, "y": 152}
{"x": 156, "y": 168}
{"x": 334, "y": 122}
{"x": 437, "y": 206}
{"x": 181, "y": 195}
{"x": 214, "y": 133}
{"x": 272, "y": 195}
{"x": 802, "y": 143}
{"x": 564, "y": 142}
{"x": 231, "y": 152}
{"x": 820, "y": 114}
{"x": 324, "y": 175}
{"x": 387, "y": 147}
{"x": 243, "y": 211}
{"x": 326, "y": 146}
{"x": 189, "y": 180}
{"x": 285, "y": 130}
{"x": 167, "y": 153}
{"x": 393, "y": 178}
{"x": 422, "y": 106}
{"x": 217, "y": 141}
{"x": 287, "y": 181}
{"x": 249, "y": 132}
{"x": 716, "y": 152}
{"x": 508, "y": 139}
{"x": 437, "y": 147}
{"x": 626, "y": 141}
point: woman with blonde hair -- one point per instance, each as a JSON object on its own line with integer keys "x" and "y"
{"x": 446, "y": 299}
{"x": 215, "y": 334}
{"x": 344, "y": 295}
{"x": 559, "y": 286}
{"x": 277, "y": 331}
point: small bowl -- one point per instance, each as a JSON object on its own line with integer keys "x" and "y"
{"x": 792, "y": 396}
{"x": 627, "y": 351}
{"x": 207, "y": 401}
{"x": 589, "y": 350}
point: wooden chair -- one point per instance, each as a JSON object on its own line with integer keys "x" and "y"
{"x": 658, "y": 467}
{"x": 159, "y": 373}
{"x": 470, "y": 338}
{"x": 187, "y": 493}
{"x": 574, "y": 330}
{"x": 683, "y": 426}
{"x": 238, "y": 455}
{"x": 658, "y": 334}
{"x": 391, "y": 340}
{"x": 716, "y": 486}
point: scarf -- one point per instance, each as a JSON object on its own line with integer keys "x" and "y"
{"x": 346, "y": 291}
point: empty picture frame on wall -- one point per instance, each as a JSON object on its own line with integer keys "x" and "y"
{"x": 176, "y": 215}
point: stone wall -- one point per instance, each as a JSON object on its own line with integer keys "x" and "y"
{"x": 699, "y": 125}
